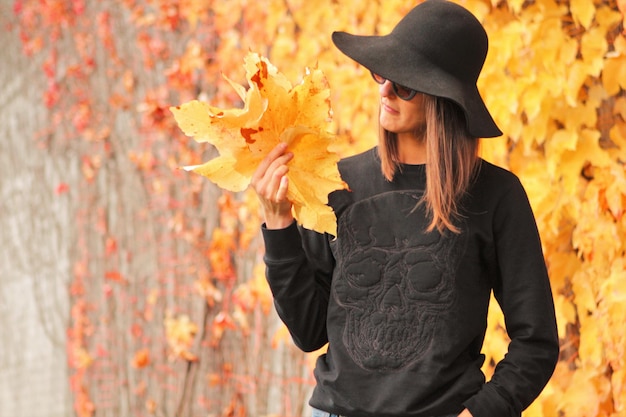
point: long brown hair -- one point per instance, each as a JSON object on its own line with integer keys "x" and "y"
{"x": 451, "y": 161}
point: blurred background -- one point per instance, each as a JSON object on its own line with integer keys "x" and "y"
{"x": 129, "y": 287}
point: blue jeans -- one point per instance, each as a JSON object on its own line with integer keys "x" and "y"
{"x": 320, "y": 413}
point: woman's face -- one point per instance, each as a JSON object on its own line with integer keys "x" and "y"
{"x": 401, "y": 116}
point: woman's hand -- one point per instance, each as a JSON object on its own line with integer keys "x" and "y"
{"x": 270, "y": 183}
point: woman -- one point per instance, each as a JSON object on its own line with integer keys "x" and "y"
{"x": 425, "y": 233}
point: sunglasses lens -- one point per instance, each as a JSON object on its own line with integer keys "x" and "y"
{"x": 403, "y": 92}
{"x": 378, "y": 78}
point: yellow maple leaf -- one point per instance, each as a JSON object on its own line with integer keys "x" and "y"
{"x": 192, "y": 10}
{"x": 274, "y": 111}
{"x": 621, "y": 5}
{"x": 583, "y": 12}
{"x": 593, "y": 48}
{"x": 614, "y": 73}
{"x": 581, "y": 398}
{"x": 180, "y": 333}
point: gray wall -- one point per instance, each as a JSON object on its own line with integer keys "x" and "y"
{"x": 34, "y": 266}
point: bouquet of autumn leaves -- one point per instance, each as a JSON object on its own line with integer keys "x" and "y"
{"x": 274, "y": 111}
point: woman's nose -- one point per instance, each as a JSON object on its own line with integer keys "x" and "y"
{"x": 386, "y": 89}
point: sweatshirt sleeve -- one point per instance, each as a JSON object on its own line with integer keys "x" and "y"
{"x": 524, "y": 294}
{"x": 299, "y": 267}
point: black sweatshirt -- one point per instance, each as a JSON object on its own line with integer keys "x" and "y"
{"x": 404, "y": 311}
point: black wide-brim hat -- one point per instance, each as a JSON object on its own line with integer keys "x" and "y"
{"x": 439, "y": 49}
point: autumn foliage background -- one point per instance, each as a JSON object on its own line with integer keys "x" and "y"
{"x": 169, "y": 313}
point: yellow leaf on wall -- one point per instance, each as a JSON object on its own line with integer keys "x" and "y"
{"x": 180, "y": 333}
{"x": 612, "y": 308}
{"x": 562, "y": 140}
{"x": 614, "y": 74}
{"x": 621, "y": 5}
{"x": 588, "y": 150}
{"x": 581, "y": 397}
{"x": 576, "y": 77}
{"x": 566, "y": 313}
{"x": 590, "y": 350}
{"x": 583, "y": 12}
{"x": 616, "y": 192}
{"x": 618, "y": 137}
{"x": 593, "y": 47}
{"x": 531, "y": 100}
{"x": 618, "y": 382}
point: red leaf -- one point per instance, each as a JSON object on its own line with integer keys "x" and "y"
{"x": 50, "y": 65}
{"x": 115, "y": 276}
{"x": 52, "y": 94}
{"x": 110, "y": 246}
{"x": 62, "y": 188}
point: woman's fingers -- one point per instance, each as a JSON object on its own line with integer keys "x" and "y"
{"x": 268, "y": 160}
{"x": 281, "y": 194}
{"x": 271, "y": 185}
{"x": 267, "y": 179}
{"x": 277, "y": 180}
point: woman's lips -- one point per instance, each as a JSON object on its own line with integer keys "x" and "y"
{"x": 389, "y": 109}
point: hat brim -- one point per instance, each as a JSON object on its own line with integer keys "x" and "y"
{"x": 396, "y": 61}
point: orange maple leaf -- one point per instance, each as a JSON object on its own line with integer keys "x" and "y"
{"x": 141, "y": 358}
{"x": 274, "y": 111}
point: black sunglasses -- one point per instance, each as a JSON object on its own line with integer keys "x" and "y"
{"x": 401, "y": 91}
